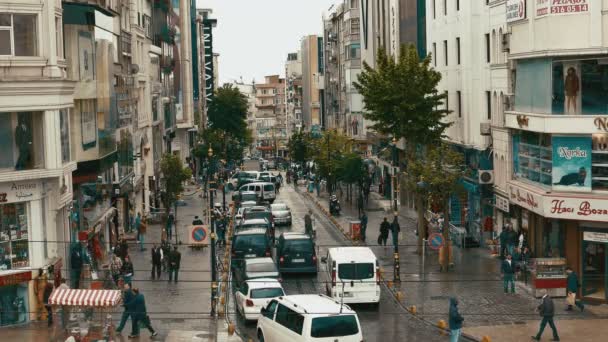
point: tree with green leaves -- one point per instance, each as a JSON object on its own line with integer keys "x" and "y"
{"x": 174, "y": 176}
{"x": 402, "y": 101}
{"x": 327, "y": 153}
{"x": 228, "y": 111}
{"x": 353, "y": 172}
{"x": 299, "y": 146}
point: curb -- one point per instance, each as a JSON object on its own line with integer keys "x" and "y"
{"x": 395, "y": 294}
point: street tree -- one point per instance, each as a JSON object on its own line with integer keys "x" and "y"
{"x": 402, "y": 101}
{"x": 299, "y": 146}
{"x": 228, "y": 111}
{"x": 327, "y": 152}
{"x": 352, "y": 171}
{"x": 174, "y": 175}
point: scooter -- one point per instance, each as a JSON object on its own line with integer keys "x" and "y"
{"x": 334, "y": 205}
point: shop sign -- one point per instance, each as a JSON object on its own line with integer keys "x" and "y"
{"x": 571, "y": 163}
{"x": 502, "y": 203}
{"x": 542, "y": 8}
{"x": 595, "y": 236}
{"x": 525, "y": 199}
{"x": 557, "y": 7}
{"x": 578, "y": 209}
{"x": 15, "y": 278}
{"x": 11, "y": 192}
{"x": 516, "y": 10}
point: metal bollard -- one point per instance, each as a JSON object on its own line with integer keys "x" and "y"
{"x": 486, "y": 339}
{"x": 413, "y": 309}
{"x": 443, "y": 326}
{"x": 396, "y": 268}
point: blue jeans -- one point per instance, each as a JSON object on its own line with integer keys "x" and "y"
{"x": 509, "y": 278}
{"x": 455, "y": 335}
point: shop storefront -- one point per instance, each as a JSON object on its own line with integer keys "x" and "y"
{"x": 595, "y": 264}
{"x": 14, "y": 302}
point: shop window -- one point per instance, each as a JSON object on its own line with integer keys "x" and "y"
{"x": 599, "y": 160}
{"x": 533, "y": 86}
{"x": 554, "y": 234}
{"x": 21, "y": 137}
{"x": 14, "y": 238}
{"x": 64, "y": 120}
{"x": 532, "y": 157}
{"x": 13, "y": 304}
{"x": 580, "y": 87}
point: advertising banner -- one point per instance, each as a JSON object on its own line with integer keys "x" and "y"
{"x": 516, "y": 10}
{"x": 571, "y": 163}
{"x": 555, "y": 7}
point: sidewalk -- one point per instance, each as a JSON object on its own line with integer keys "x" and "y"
{"x": 475, "y": 280}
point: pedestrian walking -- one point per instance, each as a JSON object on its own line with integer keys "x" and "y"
{"x": 308, "y": 223}
{"x": 504, "y": 235}
{"x": 137, "y": 223}
{"x": 455, "y": 320}
{"x": 124, "y": 248}
{"x": 143, "y": 226}
{"x": 512, "y": 240}
{"x": 140, "y": 315}
{"x": 127, "y": 270}
{"x": 395, "y": 230}
{"x": 64, "y": 314}
{"x": 128, "y": 301}
{"x": 384, "y": 228}
{"x": 546, "y": 309}
{"x": 115, "y": 267}
{"x": 166, "y": 247}
{"x": 508, "y": 271}
{"x": 174, "y": 263}
{"x": 363, "y": 226}
{"x": 76, "y": 262}
{"x": 170, "y": 223}
{"x": 157, "y": 259}
{"x": 48, "y": 290}
{"x": 572, "y": 288}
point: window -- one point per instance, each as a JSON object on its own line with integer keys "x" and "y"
{"x": 532, "y": 157}
{"x": 18, "y": 34}
{"x": 458, "y": 50}
{"x": 354, "y": 4}
{"x": 434, "y": 54}
{"x": 22, "y": 138}
{"x": 64, "y": 120}
{"x": 445, "y": 52}
{"x": 353, "y": 51}
{"x": 270, "y": 309}
{"x": 14, "y": 240}
{"x": 489, "y": 104}
{"x": 59, "y": 37}
{"x": 487, "y": 47}
{"x": 356, "y": 271}
{"x": 267, "y": 293}
{"x": 445, "y": 7}
{"x": 334, "y": 326}
{"x": 459, "y": 102}
{"x": 290, "y": 319}
{"x": 599, "y": 162}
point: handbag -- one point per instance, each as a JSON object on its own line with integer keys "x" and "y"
{"x": 571, "y": 298}
{"x": 380, "y": 239}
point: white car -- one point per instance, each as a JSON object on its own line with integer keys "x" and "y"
{"x": 281, "y": 213}
{"x": 308, "y": 318}
{"x": 253, "y": 295}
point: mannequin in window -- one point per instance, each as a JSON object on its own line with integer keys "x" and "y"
{"x": 571, "y": 87}
{"x": 23, "y": 139}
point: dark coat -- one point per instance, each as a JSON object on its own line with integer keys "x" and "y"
{"x": 546, "y": 308}
{"x": 508, "y": 269}
{"x": 364, "y": 220}
{"x": 128, "y": 300}
{"x": 76, "y": 259}
{"x": 175, "y": 259}
{"x": 139, "y": 307}
{"x": 572, "y": 282}
{"x": 48, "y": 290}
{"x": 156, "y": 256}
{"x": 384, "y": 228}
{"x": 127, "y": 268}
{"x": 455, "y": 319}
{"x": 395, "y": 227}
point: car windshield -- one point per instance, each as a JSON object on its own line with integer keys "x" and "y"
{"x": 250, "y": 241}
{"x": 279, "y": 206}
{"x": 301, "y": 245}
{"x": 267, "y": 293}
{"x": 356, "y": 271}
{"x": 257, "y": 215}
{"x": 334, "y": 326}
{"x": 254, "y": 225}
{"x": 261, "y": 268}
{"x": 268, "y": 187}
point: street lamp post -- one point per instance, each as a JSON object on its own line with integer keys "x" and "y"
{"x": 213, "y": 256}
{"x": 396, "y": 272}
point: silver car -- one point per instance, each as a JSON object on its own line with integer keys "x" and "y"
{"x": 281, "y": 213}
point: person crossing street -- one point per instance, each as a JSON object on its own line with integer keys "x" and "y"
{"x": 140, "y": 315}
{"x": 128, "y": 298}
{"x": 175, "y": 258}
{"x": 546, "y": 310}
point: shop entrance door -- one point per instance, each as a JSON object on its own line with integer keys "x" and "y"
{"x": 595, "y": 270}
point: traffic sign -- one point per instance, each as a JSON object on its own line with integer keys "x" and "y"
{"x": 436, "y": 241}
{"x": 199, "y": 235}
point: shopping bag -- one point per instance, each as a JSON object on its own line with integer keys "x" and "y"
{"x": 571, "y": 298}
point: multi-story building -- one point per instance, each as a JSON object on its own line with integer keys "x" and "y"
{"x": 248, "y": 90}
{"x": 271, "y": 135}
{"x": 343, "y": 104}
{"x": 293, "y": 92}
{"x": 312, "y": 82}
{"x": 557, "y": 173}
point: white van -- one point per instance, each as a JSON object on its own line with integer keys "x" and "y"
{"x": 304, "y": 318}
{"x": 265, "y": 190}
{"x": 351, "y": 274}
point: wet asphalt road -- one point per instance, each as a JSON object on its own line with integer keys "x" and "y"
{"x": 388, "y": 322}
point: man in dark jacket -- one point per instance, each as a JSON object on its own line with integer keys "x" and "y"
{"x": 140, "y": 315}
{"x": 127, "y": 302}
{"x": 308, "y": 223}
{"x": 572, "y": 288}
{"x": 174, "y": 263}
{"x": 363, "y": 225}
{"x": 508, "y": 271}
{"x": 395, "y": 229}
{"x": 76, "y": 262}
{"x": 546, "y": 310}
{"x": 455, "y": 320}
{"x": 157, "y": 258}
{"x": 384, "y": 228}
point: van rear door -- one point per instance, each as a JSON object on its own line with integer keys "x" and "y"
{"x": 359, "y": 280}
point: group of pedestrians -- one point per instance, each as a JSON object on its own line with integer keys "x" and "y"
{"x": 134, "y": 305}
{"x": 121, "y": 266}
{"x": 385, "y": 227}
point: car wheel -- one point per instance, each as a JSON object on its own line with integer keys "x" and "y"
{"x": 260, "y": 336}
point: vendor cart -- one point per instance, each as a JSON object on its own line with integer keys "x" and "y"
{"x": 84, "y": 314}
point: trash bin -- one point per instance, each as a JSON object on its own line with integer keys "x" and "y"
{"x": 355, "y": 230}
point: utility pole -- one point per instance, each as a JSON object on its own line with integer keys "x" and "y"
{"x": 213, "y": 256}
{"x": 396, "y": 271}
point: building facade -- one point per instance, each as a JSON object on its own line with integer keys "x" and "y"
{"x": 270, "y": 127}
{"x": 293, "y": 92}
{"x": 312, "y": 92}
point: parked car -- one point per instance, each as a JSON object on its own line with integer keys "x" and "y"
{"x": 252, "y": 296}
{"x": 309, "y": 317}
{"x": 242, "y": 175}
{"x": 281, "y": 213}
{"x": 255, "y": 223}
{"x": 296, "y": 253}
{"x": 242, "y": 196}
{"x": 250, "y": 243}
{"x": 264, "y": 190}
{"x": 255, "y": 268}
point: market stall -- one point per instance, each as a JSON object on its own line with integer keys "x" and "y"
{"x": 87, "y": 314}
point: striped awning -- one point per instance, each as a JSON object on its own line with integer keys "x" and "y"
{"x": 72, "y": 297}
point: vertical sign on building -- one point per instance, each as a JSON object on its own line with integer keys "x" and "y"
{"x": 208, "y": 51}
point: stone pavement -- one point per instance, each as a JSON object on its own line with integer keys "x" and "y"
{"x": 475, "y": 278}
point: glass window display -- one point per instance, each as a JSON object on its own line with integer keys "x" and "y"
{"x": 14, "y": 239}
{"x": 22, "y": 133}
{"x": 532, "y": 157}
{"x": 13, "y": 304}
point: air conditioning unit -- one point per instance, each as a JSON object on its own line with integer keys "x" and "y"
{"x": 486, "y": 176}
{"x": 506, "y": 46}
{"x": 484, "y": 128}
{"x": 134, "y": 69}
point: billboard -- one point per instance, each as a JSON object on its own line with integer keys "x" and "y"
{"x": 571, "y": 163}
{"x": 554, "y": 7}
{"x": 516, "y": 10}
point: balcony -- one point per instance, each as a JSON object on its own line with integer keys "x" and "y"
{"x": 22, "y": 141}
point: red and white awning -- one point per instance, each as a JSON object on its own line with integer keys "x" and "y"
{"x": 72, "y": 297}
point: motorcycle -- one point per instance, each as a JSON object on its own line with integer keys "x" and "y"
{"x": 334, "y": 205}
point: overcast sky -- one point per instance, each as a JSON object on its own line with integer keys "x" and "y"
{"x": 253, "y": 37}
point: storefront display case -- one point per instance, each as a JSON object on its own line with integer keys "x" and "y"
{"x": 550, "y": 275}
{"x": 14, "y": 239}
